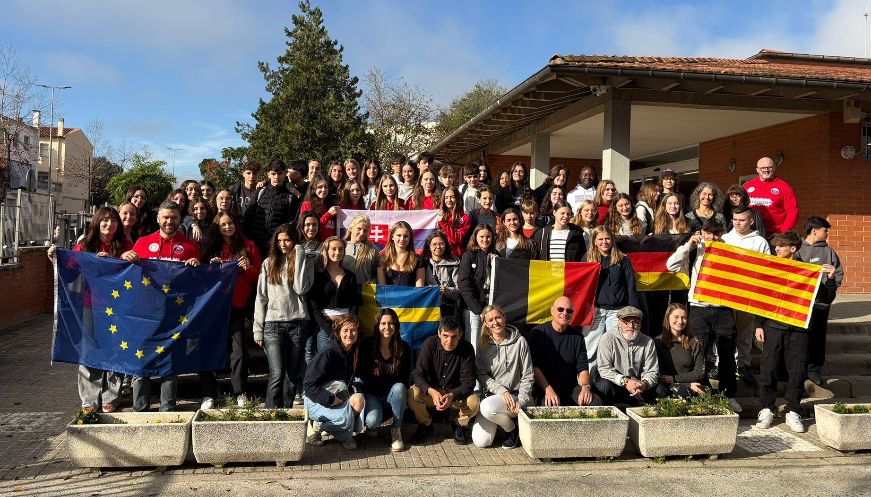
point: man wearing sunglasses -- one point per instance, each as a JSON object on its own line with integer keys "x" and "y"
{"x": 628, "y": 366}
{"x": 559, "y": 360}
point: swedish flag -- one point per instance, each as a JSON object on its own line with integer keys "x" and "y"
{"x": 149, "y": 318}
{"x": 417, "y": 308}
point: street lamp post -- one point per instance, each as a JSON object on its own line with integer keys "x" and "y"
{"x": 50, "y": 153}
{"x": 174, "y": 149}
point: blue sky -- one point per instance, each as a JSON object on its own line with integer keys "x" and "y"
{"x": 180, "y": 74}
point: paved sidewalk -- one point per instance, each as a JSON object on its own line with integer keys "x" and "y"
{"x": 38, "y": 400}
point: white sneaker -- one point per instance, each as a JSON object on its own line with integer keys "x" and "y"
{"x": 793, "y": 420}
{"x": 208, "y": 403}
{"x": 396, "y": 437}
{"x": 241, "y": 400}
{"x": 765, "y": 419}
{"x": 736, "y": 407}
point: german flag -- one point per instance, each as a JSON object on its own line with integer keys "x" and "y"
{"x": 418, "y": 310}
{"x": 765, "y": 285}
{"x": 648, "y": 254}
{"x": 525, "y": 290}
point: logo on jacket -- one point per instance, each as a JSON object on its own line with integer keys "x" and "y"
{"x": 775, "y": 191}
{"x": 177, "y": 249}
{"x": 751, "y": 189}
{"x": 154, "y": 247}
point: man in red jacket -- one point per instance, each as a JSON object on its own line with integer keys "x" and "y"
{"x": 773, "y": 198}
{"x": 169, "y": 244}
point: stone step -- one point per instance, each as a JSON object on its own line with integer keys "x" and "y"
{"x": 847, "y": 364}
{"x": 848, "y": 328}
{"x": 848, "y": 344}
{"x": 860, "y": 386}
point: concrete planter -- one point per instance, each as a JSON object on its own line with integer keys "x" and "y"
{"x": 847, "y": 432}
{"x": 125, "y": 439}
{"x": 221, "y": 442}
{"x": 582, "y": 437}
{"x": 682, "y": 436}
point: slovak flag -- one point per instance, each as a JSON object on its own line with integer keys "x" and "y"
{"x": 422, "y": 223}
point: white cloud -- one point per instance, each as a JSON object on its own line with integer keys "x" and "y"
{"x": 841, "y": 30}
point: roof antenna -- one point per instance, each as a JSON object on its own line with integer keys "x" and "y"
{"x": 865, "y": 47}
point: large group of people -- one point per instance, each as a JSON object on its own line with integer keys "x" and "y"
{"x": 298, "y": 292}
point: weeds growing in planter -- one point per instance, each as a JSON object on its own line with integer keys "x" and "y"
{"x": 841, "y": 408}
{"x": 558, "y": 413}
{"x": 87, "y": 418}
{"x": 250, "y": 412}
{"x": 706, "y": 404}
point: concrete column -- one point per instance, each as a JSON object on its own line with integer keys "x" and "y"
{"x": 615, "y": 143}
{"x": 540, "y": 167}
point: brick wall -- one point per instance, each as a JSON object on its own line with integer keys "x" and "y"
{"x": 825, "y": 184}
{"x": 499, "y": 162}
{"x": 28, "y": 288}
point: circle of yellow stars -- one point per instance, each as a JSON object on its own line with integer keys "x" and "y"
{"x": 146, "y": 282}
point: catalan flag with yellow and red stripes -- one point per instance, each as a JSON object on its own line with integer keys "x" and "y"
{"x": 765, "y": 285}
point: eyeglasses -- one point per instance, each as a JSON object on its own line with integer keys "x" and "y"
{"x": 566, "y": 310}
{"x": 632, "y": 322}
{"x": 765, "y": 169}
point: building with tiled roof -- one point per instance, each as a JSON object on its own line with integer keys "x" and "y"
{"x": 71, "y": 160}
{"x": 709, "y": 119}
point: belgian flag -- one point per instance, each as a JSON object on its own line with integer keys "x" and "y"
{"x": 648, "y": 254}
{"x": 525, "y": 290}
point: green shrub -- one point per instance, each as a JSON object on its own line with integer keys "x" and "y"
{"x": 251, "y": 412}
{"x": 706, "y": 404}
{"x": 841, "y": 408}
{"x": 562, "y": 413}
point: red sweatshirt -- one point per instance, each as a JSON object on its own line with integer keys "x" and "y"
{"x": 246, "y": 281}
{"x": 456, "y": 235}
{"x": 177, "y": 248}
{"x": 776, "y": 201}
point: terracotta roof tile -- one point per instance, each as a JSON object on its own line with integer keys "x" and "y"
{"x": 43, "y": 131}
{"x": 779, "y": 65}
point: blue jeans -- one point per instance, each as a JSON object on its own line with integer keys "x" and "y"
{"x": 284, "y": 343}
{"x": 142, "y": 393}
{"x": 397, "y": 399}
{"x": 339, "y": 421}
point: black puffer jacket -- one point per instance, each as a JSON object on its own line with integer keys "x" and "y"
{"x": 330, "y": 364}
{"x": 272, "y": 208}
{"x": 576, "y": 247}
{"x": 472, "y": 279}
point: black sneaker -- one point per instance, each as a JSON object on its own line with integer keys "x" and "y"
{"x": 744, "y": 373}
{"x": 512, "y": 439}
{"x": 714, "y": 373}
{"x": 461, "y": 435}
{"x": 815, "y": 377}
{"x": 421, "y": 433}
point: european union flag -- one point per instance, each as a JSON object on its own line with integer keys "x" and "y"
{"x": 149, "y": 318}
{"x": 418, "y": 310}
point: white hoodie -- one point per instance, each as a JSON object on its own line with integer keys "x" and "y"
{"x": 750, "y": 241}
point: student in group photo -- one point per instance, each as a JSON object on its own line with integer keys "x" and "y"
{"x": 361, "y": 255}
{"x": 473, "y": 279}
{"x": 387, "y": 198}
{"x": 453, "y": 222}
{"x": 681, "y": 356}
{"x": 442, "y": 269}
{"x": 511, "y": 243}
{"x": 399, "y": 262}
{"x": 281, "y": 315}
{"x": 385, "y": 372}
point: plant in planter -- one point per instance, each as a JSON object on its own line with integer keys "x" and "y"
{"x": 560, "y": 432}
{"x": 704, "y": 424}
{"x": 127, "y": 439}
{"x": 249, "y": 434}
{"x": 844, "y": 427}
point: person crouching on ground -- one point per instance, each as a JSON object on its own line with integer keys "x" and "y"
{"x": 444, "y": 379}
{"x": 329, "y": 399}
{"x": 385, "y": 368}
{"x": 504, "y": 368}
{"x": 681, "y": 356}
{"x": 628, "y": 367}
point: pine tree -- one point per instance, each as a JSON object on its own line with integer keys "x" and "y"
{"x": 314, "y": 110}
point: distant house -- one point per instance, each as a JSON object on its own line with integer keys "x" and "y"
{"x": 19, "y": 144}
{"x": 71, "y": 160}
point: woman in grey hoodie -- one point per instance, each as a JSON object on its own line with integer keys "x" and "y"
{"x": 280, "y": 314}
{"x": 504, "y": 368}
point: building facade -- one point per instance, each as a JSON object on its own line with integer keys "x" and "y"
{"x": 72, "y": 154}
{"x": 708, "y": 119}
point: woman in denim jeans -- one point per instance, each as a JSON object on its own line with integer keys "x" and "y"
{"x": 385, "y": 369}
{"x": 280, "y": 314}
